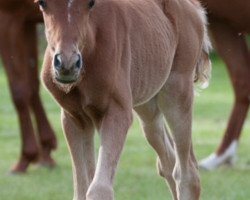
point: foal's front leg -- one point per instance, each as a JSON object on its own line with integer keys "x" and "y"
{"x": 81, "y": 145}
{"x": 113, "y": 133}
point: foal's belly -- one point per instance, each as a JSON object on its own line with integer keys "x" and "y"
{"x": 148, "y": 78}
{"x": 153, "y": 45}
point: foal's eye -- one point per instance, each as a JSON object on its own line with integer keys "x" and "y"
{"x": 91, "y": 3}
{"x": 42, "y": 3}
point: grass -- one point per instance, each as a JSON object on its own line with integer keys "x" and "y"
{"x": 136, "y": 178}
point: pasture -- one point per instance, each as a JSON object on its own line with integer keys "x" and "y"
{"x": 136, "y": 178}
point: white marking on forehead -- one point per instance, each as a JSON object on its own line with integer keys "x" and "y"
{"x": 70, "y": 3}
{"x": 69, "y": 6}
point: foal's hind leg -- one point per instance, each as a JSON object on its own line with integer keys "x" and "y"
{"x": 16, "y": 66}
{"x": 238, "y": 64}
{"x": 175, "y": 101}
{"x": 156, "y": 133}
{"x": 46, "y": 134}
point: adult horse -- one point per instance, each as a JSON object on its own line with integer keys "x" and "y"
{"x": 18, "y": 49}
{"x": 108, "y": 57}
{"x": 229, "y": 23}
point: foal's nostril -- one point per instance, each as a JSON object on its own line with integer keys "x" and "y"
{"x": 57, "y": 61}
{"x": 78, "y": 63}
{"x": 67, "y": 67}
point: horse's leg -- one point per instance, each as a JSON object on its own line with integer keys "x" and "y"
{"x": 46, "y": 134}
{"x": 16, "y": 64}
{"x": 113, "y": 131}
{"x": 233, "y": 49}
{"x": 81, "y": 145}
{"x": 153, "y": 124}
{"x": 175, "y": 101}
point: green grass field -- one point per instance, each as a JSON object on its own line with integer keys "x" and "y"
{"x": 136, "y": 178}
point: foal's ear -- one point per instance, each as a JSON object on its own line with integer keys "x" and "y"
{"x": 91, "y": 3}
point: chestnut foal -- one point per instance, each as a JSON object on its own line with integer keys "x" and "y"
{"x": 229, "y": 22}
{"x": 18, "y": 49}
{"x": 108, "y": 57}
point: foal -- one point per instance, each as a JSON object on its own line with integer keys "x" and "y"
{"x": 18, "y": 49}
{"x": 108, "y": 57}
{"x": 229, "y": 22}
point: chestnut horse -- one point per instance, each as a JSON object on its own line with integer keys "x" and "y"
{"x": 229, "y": 23}
{"x": 108, "y": 57}
{"x": 18, "y": 49}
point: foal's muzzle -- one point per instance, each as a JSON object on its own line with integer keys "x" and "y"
{"x": 67, "y": 70}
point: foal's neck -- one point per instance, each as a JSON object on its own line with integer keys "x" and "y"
{"x": 90, "y": 38}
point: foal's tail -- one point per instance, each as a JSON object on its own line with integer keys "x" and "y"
{"x": 203, "y": 67}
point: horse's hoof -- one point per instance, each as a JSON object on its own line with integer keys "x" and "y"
{"x": 214, "y": 161}
{"x": 16, "y": 173}
{"x": 47, "y": 163}
{"x": 18, "y": 169}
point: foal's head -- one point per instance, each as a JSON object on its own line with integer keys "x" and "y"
{"x": 66, "y": 23}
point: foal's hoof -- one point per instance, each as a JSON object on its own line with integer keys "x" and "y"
{"x": 214, "y": 161}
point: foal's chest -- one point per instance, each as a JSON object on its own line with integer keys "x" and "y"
{"x": 84, "y": 107}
